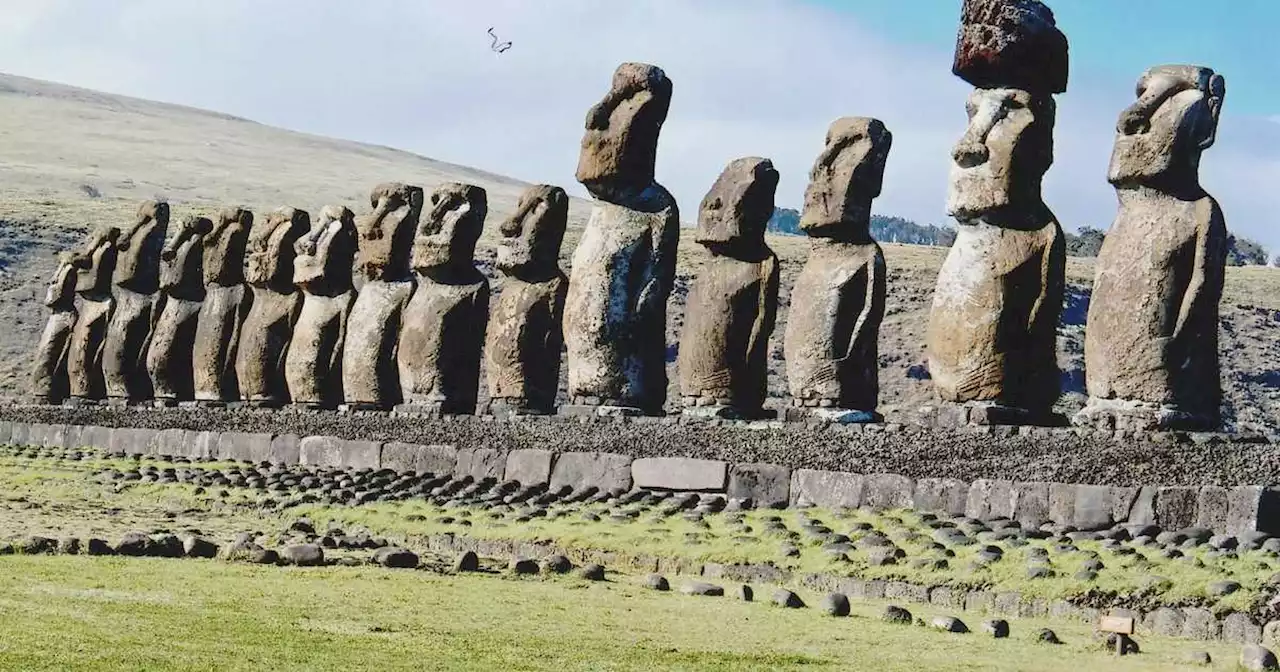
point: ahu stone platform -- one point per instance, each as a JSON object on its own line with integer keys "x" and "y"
{"x": 1083, "y": 478}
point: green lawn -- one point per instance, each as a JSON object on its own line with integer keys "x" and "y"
{"x": 62, "y": 613}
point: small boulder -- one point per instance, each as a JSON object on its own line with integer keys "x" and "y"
{"x": 257, "y": 555}
{"x": 523, "y": 566}
{"x": 133, "y": 544}
{"x": 949, "y": 624}
{"x": 69, "y": 546}
{"x": 199, "y": 547}
{"x": 467, "y": 562}
{"x": 835, "y": 604}
{"x": 304, "y": 555}
{"x": 1047, "y": 636}
{"x": 1200, "y": 658}
{"x": 657, "y": 582}
{"x": 895, "y": 614}
{"x": 1222, "y": 588}
{"x": 99, "y": 547}
{"x": 787, "y": 599}
{"x": 745, "y": 593}
{"x": 702, "y": 588}
{"x": 396, "y": 558}
{"x": 592, "y": 572}
{"x": 164, "y": 546}
{"x": 1254, "y": 657}
{"x": 996, "y": 627}
{"x": 557, "y": 564}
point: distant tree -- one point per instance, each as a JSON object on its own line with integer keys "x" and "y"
{"x": 884, "y": 229}
{"x": 1276, "y": 262}
{"x": 1086, "y": 242}
{"x": 1242, "y": 251}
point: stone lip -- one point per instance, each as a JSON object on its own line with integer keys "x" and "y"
{"x": 1011, "y": 44}
{"x": 1064, "y": 455}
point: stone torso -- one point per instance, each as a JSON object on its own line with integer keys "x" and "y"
{"x": 523, "y": 342}
{"x": 615, "y": 311}
{"x": 440, "y": 344}
{"x": 169, "y": 357}
{"x": 84, "y": 356}
{"x": 49, "y": 373}
{"x": 369, "y": 372}
{"x": 1153, "y": 317}
{"x": 313, "y": 364}
{"x": 995, "y": 314}
{"x": 217, "y": 335}
{"x": 263, "y": 343}
{"x": 724, "y": 346}
{"x": 124, "y": 354}
{"x": 837, "y": 304}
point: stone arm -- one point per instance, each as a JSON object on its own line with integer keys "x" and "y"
{"x": 1052, "y": 278}
{"x": 868, "y": 324}
{"x": 242, "y": 312}
{"x": 1207, "y": 276}
{"x": 662, "y": 260}
{"x": 766, "y": 312}
{"x": 335, "y": 357}
{"x": 553, "y": 340}
{"x": 157, "y": 308}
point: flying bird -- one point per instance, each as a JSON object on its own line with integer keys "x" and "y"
{"x": 498, "y": 47}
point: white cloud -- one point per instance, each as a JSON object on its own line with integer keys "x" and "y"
{"x": 752, "y": 77}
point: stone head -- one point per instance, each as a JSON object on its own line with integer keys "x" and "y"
{"x": 182, "y": 260}
{"x": 531, "y": 238}
{"x": 386, "y": 234}
{"x": 451, "y": 226}
{"x": 999, "y": 164}
{"x": 326, "y": 253}
{"x": 61, "y": 291}
{"x": 1160, "y": 137}
{"x": 846, "y": 177}
{"x": 269, "y": 251}
{"x": 96, "y": 261}
{"x": 733, "y": 215}
{"x": 138, "y": 248}
{"x": 620, "y": 144}
{"x": 224, "y": 247}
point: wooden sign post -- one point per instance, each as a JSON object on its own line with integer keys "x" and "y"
{"x": 1122, "y": 627}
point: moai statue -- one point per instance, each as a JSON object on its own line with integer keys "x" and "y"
{"x": 1151, "y": 343}
{"x": 837, "y": 303}
{"x": 136, "y": 280}
{"x": 268, "y": 327}
{"x": 733, "y": 303}
{"x": 226, "y": 302}
{"x": 322, "y": 272}
{"x": 49, "y": 383}
{"x": 442, "y": 333}
{"x": 94, "y": 264}
{"x": 370, "y": 376}
{"x": 992, "y": 330}
{"x": 524, "y": 337}
{"x": 615, "y": 317}
{"x": 173, "y": 338}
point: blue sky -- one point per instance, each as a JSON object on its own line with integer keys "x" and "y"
{"x": 751, "y": 78}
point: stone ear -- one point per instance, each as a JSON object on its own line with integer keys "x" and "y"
{"x": 1216, "y": 94}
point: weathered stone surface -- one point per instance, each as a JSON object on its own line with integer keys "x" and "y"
{"x": 888, "y": 491}
{"x": 732, "y": 304}
{"x": 442, "y": 331}
{"x": 1211, "y": 507}
{"x": 1144, "y": 506}
{"x": 1176, "y": 507}
{"x": 130, "y": 441}
{"x": 679, "y": 473}
{"x": 941, "y": 495}
{"x": 329, "y": 451}
{"x": 838, "y": 300}
{"x": 303, "y": 555}
{"x": 768, "y": 485}
{"x": 268, "y": 326}
{"x": 525, "y": 336}
{"x": 1011, "y": 43}
{"x": 1151, "y": 346}
{"x": 606, "y": 471}
{"x": 1165, "y": 621}
{"x": 529, "y": 466}
{"x": 1031, "y": 504}
{"x": 322, "y": 272}
{"x": 1199, "y": 623}
{"x": 285, "y": 449}
{"x": 225, "y": 304}
{"x": 1253, "y": 508}
{"x": 169, "y": 354}
{"x": 827, "y": 489}
{"x": 1093, "y": 507}
{"x": 49, "y": 382}
{"x": 135, "y": 281}
{"x": 990, "y": 499}
{"x": 1254, "y": 657}
{"x": 992, "y": 328}
{"x": 370, "y": 375}
{"x": 480, "y": 463}
{"x": 94, "y": 264}
{"x": 624, "y": 266}
{"x": 1240, "y": 629}
{"x": 244, "y": 446}
{"x": 420, "y": 459}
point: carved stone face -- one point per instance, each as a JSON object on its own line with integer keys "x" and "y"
{"x": 1004, "y": 154}
{"x": 620, "y": 144}
{"x": 845, "y": 178}
{"x": 269, "y": 251}
{"x": 181, "y": 261}
{"x": 734, "y": 213}
{"x": 448, "y": 233}
{"x": 62, "y": 286}
{"x": 531, "y": 238}
{"x": 386, "y": 234}
{"x": 138, "y": 248}
{"x": 325, "y": 254}
{"x": 1174, "y": 119}
{"x": 96, "y": 262}
{"x": 224, "y": 247}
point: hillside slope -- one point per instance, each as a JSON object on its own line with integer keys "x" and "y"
{"x": 70, "y": 158}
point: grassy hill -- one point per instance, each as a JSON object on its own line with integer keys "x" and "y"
{"x": 71, "y": 158}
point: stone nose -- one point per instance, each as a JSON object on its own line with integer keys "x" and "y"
{"x": 970, "y": 154}
{"x": 1133, "y": 122}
